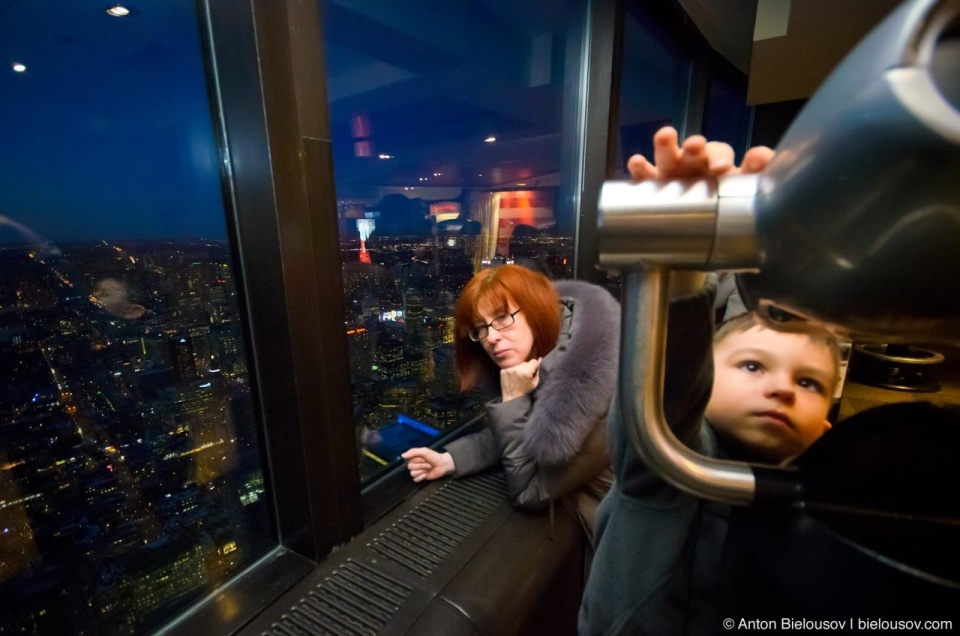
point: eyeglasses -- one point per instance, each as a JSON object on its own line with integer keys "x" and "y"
{"x": 499, "y": 323}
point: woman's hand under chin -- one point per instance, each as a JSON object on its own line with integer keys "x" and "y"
{"x": 520, "y": 379}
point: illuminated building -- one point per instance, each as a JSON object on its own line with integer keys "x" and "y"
{"x": 160, "y": 572}
{"x": 448, "y": 410}
{"x": 389, "y": 358}
{"x": 184, "y": 362}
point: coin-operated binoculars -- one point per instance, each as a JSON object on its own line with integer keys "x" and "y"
{"x": 854, "y": 225}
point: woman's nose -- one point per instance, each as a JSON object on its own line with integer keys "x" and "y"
{"x": 493, "y": 335}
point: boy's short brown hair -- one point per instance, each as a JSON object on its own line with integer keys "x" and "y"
{"x": 745, "y": 321}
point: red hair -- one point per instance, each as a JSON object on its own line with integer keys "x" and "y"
{"x": 530, "y": 291}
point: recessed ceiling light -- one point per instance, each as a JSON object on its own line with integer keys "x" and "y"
{"x": 490, "y": 140}
{"x": 19, "y": 68}
{"x": 118, "y": 11}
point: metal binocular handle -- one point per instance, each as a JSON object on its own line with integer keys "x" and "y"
{"x": 647, "y": 229}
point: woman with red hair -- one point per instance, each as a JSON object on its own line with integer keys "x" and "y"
{"x": 552, "y": 350}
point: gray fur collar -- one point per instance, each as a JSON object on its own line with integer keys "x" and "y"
{"x": 579, "y": 377}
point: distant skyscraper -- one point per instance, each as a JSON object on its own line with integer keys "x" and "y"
{"x": 203, "y": 352}
{"x": 389, "y": 358}
{"x": 182, "y": 355}
{"x": 412, "y": 308}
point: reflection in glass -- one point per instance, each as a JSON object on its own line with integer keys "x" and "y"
{"x": 654, "y": 85}
{"x": 447, "y": 121}
{"x": 727, "y": 117}
{"x": 130, "y": 476}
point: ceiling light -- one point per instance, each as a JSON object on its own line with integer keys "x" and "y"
{"x": 118, "y": 11}
{"x": 490, "y": 140}
{"x": 18, "y": 67}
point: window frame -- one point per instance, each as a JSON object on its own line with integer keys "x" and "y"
{"x": 265, "y": 61}
{"x": 601, "y": 72}
{"x": 272, "y": 114}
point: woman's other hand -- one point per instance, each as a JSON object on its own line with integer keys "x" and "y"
{"x": 425, "y": 463}
{"x": 520, "y": 379}
{"x": 696, "y": 157}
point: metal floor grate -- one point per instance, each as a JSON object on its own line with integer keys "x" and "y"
{"x": 358, "y": 598}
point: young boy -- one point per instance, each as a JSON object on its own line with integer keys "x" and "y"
{"x": 746, "y": 393}
{"x": 658, "y": 549}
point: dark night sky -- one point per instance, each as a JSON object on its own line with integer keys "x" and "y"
{"x": 107, "y": 134}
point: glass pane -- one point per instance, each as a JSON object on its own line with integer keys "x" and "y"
{"x": 654, "y": 91}
{"x": 130, "y": 475}
{"x": 447, "y": 120}
{"x": 654, "y": 85}
{"x": 727, "y": 116}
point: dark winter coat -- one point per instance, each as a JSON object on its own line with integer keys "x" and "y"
{"x": 658, "y": 549}
{"x": 552, "y": 441}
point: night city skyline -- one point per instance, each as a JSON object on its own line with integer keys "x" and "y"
{"x": 127, "y": 425}
{"x": 130, "y": 478}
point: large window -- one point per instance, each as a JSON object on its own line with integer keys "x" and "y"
{"x": 727, "y": 117}
{"x": 455, "y": 129}
{"x": 670, "y": 76}
{"x": 130, "y": 472}
{"x": 655, "y": 84}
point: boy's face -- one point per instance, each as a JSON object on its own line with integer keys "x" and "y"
{"x": 771, "y": 392}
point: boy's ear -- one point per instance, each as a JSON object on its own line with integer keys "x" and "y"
{"x": 827, "y": 425}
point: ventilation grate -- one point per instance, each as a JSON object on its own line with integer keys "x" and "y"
{"x": 359, "y": 599}
{"x": 354, "y": 599}
{"x": 425, "y": 536}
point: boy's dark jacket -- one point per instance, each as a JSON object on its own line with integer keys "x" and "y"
{"x": 657, "y": 548}
{"x": 552, "y": 442}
